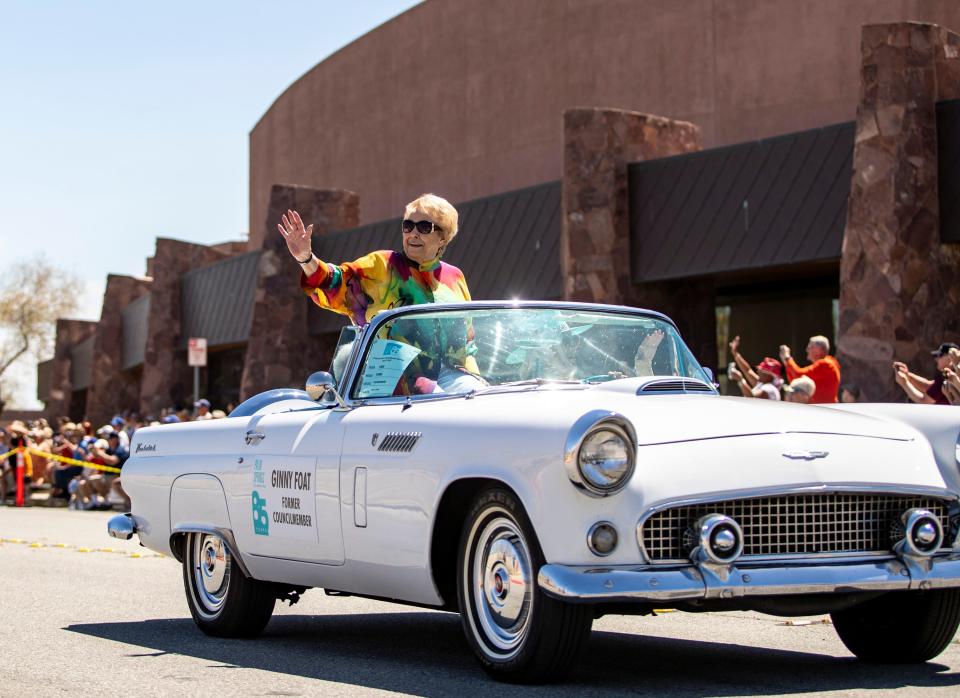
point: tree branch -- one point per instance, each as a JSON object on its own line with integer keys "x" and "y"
{"x": 17, "y": 355}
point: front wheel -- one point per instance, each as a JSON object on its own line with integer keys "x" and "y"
{"x": 902, "y": 627}
{"x": 222, "y": 600}
{"x": 518, "y": 633}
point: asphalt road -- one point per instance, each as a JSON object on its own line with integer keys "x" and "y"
{"x": 81, "y": 613}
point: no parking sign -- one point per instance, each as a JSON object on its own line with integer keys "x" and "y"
{"x": 197, "y": 351}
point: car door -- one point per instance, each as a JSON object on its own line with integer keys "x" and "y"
{"x": 284, "y": 495}
{"x": 387, "y": 489}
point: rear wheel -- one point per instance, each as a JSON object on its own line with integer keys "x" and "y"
{"x": 518, "y": 633}
{"x": 902, "y": 627}
{"x": 222, "y": 600}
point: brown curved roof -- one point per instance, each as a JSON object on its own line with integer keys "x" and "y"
{"x": 465, "y": 98}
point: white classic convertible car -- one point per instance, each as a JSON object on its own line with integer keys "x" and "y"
{"x": 589, "y": 467}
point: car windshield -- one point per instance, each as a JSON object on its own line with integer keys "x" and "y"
{"x": 457, "y": 351}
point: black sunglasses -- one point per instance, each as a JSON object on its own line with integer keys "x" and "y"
{"x": 422, "y": 227}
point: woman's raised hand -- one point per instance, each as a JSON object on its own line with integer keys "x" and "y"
{"x": 648, "y": 347}
{"x": 297, "y": 236}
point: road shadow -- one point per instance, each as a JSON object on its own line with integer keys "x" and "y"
{"x": 426, "y": 654}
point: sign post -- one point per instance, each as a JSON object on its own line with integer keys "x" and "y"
{"x": 196, "y": 357}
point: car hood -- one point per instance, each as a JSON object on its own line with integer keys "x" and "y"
{"x": 660, "y": 418}
{"x": 669, "y": 418}
{"x": 702, "y": 443}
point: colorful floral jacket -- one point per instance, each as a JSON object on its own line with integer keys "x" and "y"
{"x": 380, "y": 281}
{"x": 386, "y": 279}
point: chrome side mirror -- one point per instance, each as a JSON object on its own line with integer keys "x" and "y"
{"x": 321, "y": 384}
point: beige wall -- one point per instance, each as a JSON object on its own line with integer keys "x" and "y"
{"x": 465, "y": 98}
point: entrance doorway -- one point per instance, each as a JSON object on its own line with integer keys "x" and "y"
{"x": 766, "y": 316}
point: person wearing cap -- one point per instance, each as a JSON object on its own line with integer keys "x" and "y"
{"x": 768, "y": 380}
{"x": 800, "y": 390}
{"x": 823, "y": 370}
{"x": 88, "y": 490}
{"x": 119, "y": 426}
{"x": 926, "y": 391}
{"x": 171, "y": 419}
{"x": 93, "y": 489}
{"x": 202, "y": 406}
{"x": 43, "y": 441}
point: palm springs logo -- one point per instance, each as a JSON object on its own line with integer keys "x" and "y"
{"x": 261, "y": 522}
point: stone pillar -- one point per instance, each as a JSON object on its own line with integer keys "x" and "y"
{"x": 167, "y": 380}
{"x": 899, "y": 286}
{"x": 69, "y": 333}
{"x": 595, "y": 234}
{"x": 595, "y": 237}
{"x": 111, "y": 391}
{"x": 280, "y": 353}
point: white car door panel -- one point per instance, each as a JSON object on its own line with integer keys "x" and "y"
{"x": 284, "y": 494}
{"x": 387, "y": 495}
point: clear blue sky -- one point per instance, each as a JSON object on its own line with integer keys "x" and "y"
{"x": 121, "y": 121}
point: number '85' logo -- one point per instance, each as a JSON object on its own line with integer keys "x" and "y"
{"x": 261, "y": 522}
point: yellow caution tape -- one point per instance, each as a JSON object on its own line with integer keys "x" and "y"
{"x": 74, "y": 461}
{"x": 62, "y": 459}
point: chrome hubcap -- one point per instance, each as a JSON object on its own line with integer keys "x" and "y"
{"x": 503, "y": 592}
{"x": 211, "y": 572}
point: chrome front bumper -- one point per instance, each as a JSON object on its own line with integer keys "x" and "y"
{"x": 691, "y": 582}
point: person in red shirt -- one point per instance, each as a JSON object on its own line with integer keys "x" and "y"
{"x": 824, "y": 369}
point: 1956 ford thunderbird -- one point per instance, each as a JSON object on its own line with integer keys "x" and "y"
{"x": 584, "y": 465}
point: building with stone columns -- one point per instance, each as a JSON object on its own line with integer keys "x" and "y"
{"x": 765, "y": 168}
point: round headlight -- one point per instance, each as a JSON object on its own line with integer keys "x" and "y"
{"x": 600, "y": 452}
{"x": 605, "y": 458}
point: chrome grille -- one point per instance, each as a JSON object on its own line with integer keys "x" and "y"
{"x": 802, "y": 524}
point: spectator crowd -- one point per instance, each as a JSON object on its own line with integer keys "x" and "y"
{"x": 819, "y": 380}
{"x": 94, "y": 484}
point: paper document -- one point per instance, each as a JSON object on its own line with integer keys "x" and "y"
{"x": 386, "y": 362}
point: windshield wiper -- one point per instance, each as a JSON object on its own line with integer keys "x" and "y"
{"x": 530, "y": 383}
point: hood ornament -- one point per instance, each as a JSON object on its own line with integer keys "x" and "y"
{"x": 805, "y": 455}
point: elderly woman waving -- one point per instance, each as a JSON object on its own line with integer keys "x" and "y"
{"x": 388, "y": 279}
{"x": 384, "y": 279}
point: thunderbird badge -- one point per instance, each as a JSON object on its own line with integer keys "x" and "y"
{"x": 805, "y": 455}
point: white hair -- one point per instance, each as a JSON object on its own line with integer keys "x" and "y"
{"x": 822, "y": 341}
